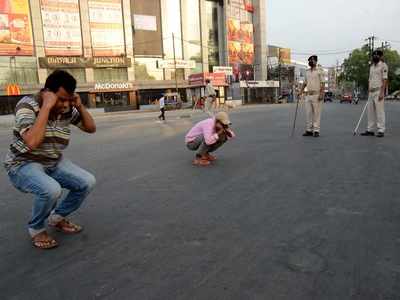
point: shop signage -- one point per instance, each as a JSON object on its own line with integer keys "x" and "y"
{"x": 180, "y": 64}
{"x": 66, "y": 62}
{"x": 13, "y": 90}
{"x": 259, "y": 84}
{"x": 226, "y": 70}
{"x": 217, "y": 79}
{"x": 113, "y": 86}
{"x": 109, "y": 62}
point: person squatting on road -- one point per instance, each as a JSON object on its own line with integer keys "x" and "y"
{"x": 35, "y": 164}
{"x": 378, "y": 81}
{"x": 207, "y": 136}
{"x": 210, "y": 95}
{"x": 314, "y": 97}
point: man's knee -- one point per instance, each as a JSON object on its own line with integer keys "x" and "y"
{"x": 88, "y": 182}
{"x": 51, "y": 192}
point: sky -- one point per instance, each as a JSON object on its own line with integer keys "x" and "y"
{"x": 331, "y": 28}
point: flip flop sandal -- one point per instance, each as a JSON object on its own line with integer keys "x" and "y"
{"x": 45, "y": 244}
{"x": 66, "y": 226}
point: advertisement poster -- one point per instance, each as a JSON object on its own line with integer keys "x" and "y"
{"x": 234, "y": 33}
{"x": 61, "y": 27}
{"x": 15, "y": 28}
{"x": 106, "y": 27}
{"x": 247, "y": 53}
{"x": 234, "y": 49}
{"x": 240, "y": 42}
{"x": 247, "y": 32}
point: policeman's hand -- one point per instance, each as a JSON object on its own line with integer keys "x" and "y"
{"x": 381, "y": 97}
{"x": 76, "y": 102}
{"x": 228, "y": 133}
{"x": 321, "y": 97}
{"x": 49, "y": 99}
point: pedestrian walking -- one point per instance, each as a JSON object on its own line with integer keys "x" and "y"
{"x": 210, "y": 96}
{"x": 314, "y": 84}
{"x": 35, "y": 163}
{"x": 207, "y": 136}
{"x": 378, "y": 81}
{"x": 162, "y": 108}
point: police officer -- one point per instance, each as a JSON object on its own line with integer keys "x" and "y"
{"x": 314, "y": 97}
{"x": 378, "y": 80}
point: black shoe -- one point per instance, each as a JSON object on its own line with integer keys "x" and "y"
{"x": 368, "y": 133}
{"x": 316, "y": 134}
{"x": 308, "y": 133}
{"x": 380, "y": 135}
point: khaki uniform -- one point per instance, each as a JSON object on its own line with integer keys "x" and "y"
{"x": 209, "y": 93}
{"x": 314, "y": 79}
{"x": 376, "y": 108}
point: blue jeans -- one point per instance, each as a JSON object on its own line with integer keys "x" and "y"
{"x": 46, "y": 185}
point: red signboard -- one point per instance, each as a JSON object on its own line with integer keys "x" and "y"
{"x": 217, "y": 79}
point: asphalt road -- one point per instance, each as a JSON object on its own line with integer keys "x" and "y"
{"x": 275, "y": 217}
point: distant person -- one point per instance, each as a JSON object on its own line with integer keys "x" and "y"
{"x": 35, "y": 163}
{"x": 378, "y": 80}
{"x": 210, "y": 96}
{"x": 207, "y": 136}
{"x": 314, "y": 97}
{"x": 162, "y": 108}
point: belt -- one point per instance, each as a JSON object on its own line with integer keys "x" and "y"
{"x": 374, "y": 90}
{"x": 312, "y": 93}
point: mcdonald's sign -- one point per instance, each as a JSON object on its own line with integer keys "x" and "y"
{"x": 13, "y": 90}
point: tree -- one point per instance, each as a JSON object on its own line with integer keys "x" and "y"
{"x": 356, "y": 68}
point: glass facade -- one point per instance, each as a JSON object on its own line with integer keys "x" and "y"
{"x": 146, "y": 69}
{"x": 21, "y": 70}
{"x": 211, "y": 23}
{"x": 192, "y": 34}
{"x": 171, "y": 24}
{"x": 110, "y": 75}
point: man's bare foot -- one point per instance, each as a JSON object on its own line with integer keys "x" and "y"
{"x": 44, "y": 241}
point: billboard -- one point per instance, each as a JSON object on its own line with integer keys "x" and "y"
{"x": 61, "y": 27}
{"x": 284, "y": 55}
{"x": 106, "y": 27}
{"x": 147, "y": 28}
{"x": 15, "y": 28}
{"x": 240, "y": 42}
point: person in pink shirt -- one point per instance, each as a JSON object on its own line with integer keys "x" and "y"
{"x": 207, "y": 136}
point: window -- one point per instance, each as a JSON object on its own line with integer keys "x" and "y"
{"x": 110, "y": 74}
{"x": 171, "y": 24}
{"x": 213, "y": 32}
{"x": 21, "y": 70}
{"x": 191, "y": 34}
{"x": 146, "y": 69}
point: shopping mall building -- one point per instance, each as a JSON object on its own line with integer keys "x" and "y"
{"x": 129, "y": 52}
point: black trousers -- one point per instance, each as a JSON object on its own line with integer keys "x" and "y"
{"x": 162, "y": 115}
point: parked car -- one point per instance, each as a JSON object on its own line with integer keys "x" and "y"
{"x": 393, "y": 96}
{"x": 347, "y": 97}
{"x": 328, "y": 97}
